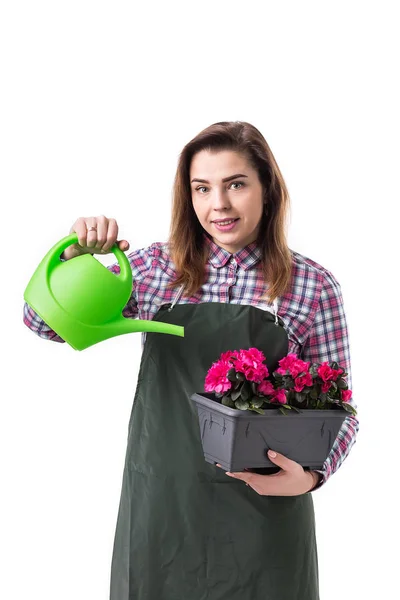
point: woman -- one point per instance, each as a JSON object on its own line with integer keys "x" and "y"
{"x": 185, "y": 528}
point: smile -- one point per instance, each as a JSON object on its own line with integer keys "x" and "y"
{"x": 226, "y": 225}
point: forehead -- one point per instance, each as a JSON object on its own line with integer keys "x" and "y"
{"x": 219, "y": 164}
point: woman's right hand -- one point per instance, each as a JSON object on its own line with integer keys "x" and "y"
{"x": 94, "y": 241}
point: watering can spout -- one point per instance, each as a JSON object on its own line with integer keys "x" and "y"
{"x": 122, "y": 325}
{"x": 82, "y": 301}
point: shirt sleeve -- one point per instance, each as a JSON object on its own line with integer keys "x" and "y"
{"x": 329, "y": 341}
{"x": 36, "y": 324}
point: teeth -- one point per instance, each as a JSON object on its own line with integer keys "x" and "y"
{"x": 226, "y": 222}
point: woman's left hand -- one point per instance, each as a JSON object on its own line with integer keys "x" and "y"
{"x": 292, "y": 479}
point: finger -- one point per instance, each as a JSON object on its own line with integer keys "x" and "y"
{"x": 112, "y": 233}
{"x": 234, "y": 475}
{"x": 218, "y": 465}
{"x": 123, "y": 245}
{"x": 80, "y": 229}
{"x": 246, "y": 477}
{"x": 91, "y": 236}
{"x": 227, "y": 472}
{"x": 282, "y": 461}
{"x": 102, "y": 226}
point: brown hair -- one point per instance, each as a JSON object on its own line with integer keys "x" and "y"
{"x": 187, "y": 247}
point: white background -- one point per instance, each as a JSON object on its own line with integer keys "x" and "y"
{"x": 97, "y": 101}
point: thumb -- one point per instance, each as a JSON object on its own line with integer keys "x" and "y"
{"x": 282, "y": 461}
{"x": 123, "y": 245}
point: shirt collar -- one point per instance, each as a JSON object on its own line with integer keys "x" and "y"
{"x": 246, "y": 258}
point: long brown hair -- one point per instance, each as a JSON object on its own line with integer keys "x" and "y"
{"x": 186, "y": 238}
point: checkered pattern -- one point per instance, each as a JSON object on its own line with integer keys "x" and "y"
{"x": 312, "y": 310}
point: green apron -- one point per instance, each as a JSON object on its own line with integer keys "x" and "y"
{"x": 185, "y": 530}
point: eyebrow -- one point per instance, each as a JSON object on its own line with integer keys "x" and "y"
{"x": 224, "y": 180}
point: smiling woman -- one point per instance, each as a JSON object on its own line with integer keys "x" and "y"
{"x": 232, "y": 285}
{"x": 230, "y": 208}
{"x": 228, "y": 171}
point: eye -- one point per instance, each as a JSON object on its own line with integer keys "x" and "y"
{"x": 203, "y": 187}
{"x": 238, "y": 183}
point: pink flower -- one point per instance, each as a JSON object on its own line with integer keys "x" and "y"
{"x": 293, "y": 364}
{"x": 299, "y": 367}
{"x": 326, "y": 386}
{"x": 285, "y": 363}
{"x": 216, "y": 378}
{"x": 325, "y": 372}
{"x": 250, "y": 365}
{"x": 280, "y": 397}
{"x": 337, "y": 373}
{"x": 266, "y": 388}
{"x": 225, "y": 356}
{"x": 346, "y": 395}
{"x": 256, "y": 354}
{"x": 301, "y": 382}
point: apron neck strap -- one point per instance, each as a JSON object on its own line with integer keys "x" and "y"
{"x": 180, "y": 291}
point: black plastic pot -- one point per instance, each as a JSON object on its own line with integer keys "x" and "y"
{"x": 239, "y": 439}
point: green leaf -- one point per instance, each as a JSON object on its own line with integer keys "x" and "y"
{"x": 236, "y": 394}
{"x": 348, "y": 407}
{"x": 257, "y": 410}
{"x": 257, "y": 402}
{"x": 240, "y": 376}
{"x": 246, "y": 391}
{"x": 231, "y": 375}
{"x": 314, "y": 369}
{"x": 332, "y": 403}
{"x": 241, "y": 405}
{"x": 227, "y": 401}
{"x": 341, "y": 384}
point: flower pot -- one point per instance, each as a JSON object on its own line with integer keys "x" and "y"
{"x": 238, "y": 439}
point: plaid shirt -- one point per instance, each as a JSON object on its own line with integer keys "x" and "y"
{"x": 312, "y": 310}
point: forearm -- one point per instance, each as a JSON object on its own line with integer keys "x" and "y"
{"x": 343, "y": 443}
{"x": 34, "y": 322}
{"x": 328, "y": 340}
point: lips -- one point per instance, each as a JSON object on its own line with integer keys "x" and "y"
{"x": 226, "y": 226}
{"x": 226, "y": 220}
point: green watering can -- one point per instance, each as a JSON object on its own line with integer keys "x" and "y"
{"x": 82, "y": 300}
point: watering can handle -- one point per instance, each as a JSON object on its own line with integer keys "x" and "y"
{"x": 72, "y": 238}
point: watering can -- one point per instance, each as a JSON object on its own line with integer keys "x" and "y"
{"x": 82, "y": 300}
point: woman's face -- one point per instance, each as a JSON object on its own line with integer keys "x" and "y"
{"x": 239, "y": 197}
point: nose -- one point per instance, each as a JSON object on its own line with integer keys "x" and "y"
{"x": 220, "y": 200}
